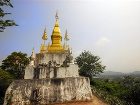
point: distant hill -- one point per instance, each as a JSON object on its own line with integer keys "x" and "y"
{"x": 135, "y": 73}
{"x": 113, "y": 74}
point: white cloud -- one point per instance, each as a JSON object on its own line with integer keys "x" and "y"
{"x": 103, "y": 41}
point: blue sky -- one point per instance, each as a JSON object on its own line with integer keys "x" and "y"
{"x": 107, "y": 28}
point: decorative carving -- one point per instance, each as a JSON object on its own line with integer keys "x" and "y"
{"x": 67, "y": 61}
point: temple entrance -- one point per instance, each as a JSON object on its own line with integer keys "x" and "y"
{"x": 35, "y": 97}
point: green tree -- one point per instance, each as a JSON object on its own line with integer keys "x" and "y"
{"x": 5, "y": 79}
{"x": 3, "y": 22}
{"x": 89, "y": 64}
{"x": 15, "y": 64}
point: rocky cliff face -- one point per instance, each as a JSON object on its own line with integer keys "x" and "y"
{"x": 47, "y": 91}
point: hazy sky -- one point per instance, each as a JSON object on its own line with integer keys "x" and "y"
{"x": 107, "y": 28}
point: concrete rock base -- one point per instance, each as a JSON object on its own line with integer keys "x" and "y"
{"x": 48, "y": 91}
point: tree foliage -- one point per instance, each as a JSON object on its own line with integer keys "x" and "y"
{"x": 5, "y": 75}
{"x": 133, "y": 86}
{"x": 5, "y": 23}
{"x": 5, "y": 79}
{"x": 89, "y": 64}
{"x": 15, "y": 64}
{"x": 120, "y": 91}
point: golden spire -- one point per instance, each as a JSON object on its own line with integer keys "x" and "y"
{"x": 56, "y": 29}
{"x": 56, "y": 38}
{"x": 44, "y": 37}
{"x": 43, "y": 47}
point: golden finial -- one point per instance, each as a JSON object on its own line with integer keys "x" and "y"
{"x": 44, "y": 37}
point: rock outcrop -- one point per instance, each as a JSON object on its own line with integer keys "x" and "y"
{"x": 48, "y": 91}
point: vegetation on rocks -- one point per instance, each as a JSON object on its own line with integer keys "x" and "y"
{"x": 118, "y": 91}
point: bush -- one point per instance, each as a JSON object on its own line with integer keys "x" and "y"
{"x": 5, "y": 80}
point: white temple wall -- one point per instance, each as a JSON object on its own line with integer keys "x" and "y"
{"x": 62, "y": 72}
{"x": 29, "y": 72}
{"x": 59, "y": 58}
{"x": 51, "y": 73}
{"x": 42, "y": 73}
{"x": 71, "y": 71}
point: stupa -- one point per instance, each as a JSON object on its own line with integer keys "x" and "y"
{"x": 51, "y": 76}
